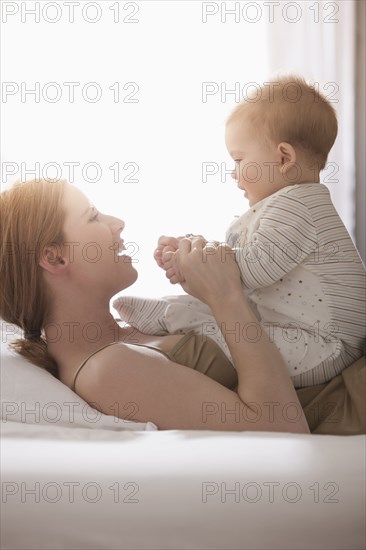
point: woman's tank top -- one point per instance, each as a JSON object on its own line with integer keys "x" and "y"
{"x": 194, "y": 351}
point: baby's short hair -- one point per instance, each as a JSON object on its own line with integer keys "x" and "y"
{"x": 291, "y": 110}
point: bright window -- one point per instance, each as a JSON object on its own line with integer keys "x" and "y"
{"x": 134, "y": 95}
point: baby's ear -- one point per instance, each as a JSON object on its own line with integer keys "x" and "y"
{"x": 287, "y": 156}
{"x": 52, "y": 259}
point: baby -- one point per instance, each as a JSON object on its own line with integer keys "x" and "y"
{"x": 299, "y": 268}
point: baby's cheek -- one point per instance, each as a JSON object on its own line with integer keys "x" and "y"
{"x": 252, "y": 173}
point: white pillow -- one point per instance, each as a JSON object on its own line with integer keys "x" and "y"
{"x": 31, "y": 395}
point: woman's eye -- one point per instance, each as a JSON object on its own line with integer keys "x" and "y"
{"x": 94, "y": 217}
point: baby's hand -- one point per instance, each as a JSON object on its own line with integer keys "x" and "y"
{"x": 172, "y": 271}
{"x": 165, "y": 244}
{"x": 164, "y": 256}
{"x": 170, "y": 260}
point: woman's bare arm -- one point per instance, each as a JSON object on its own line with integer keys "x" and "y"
{"x": 141, "y": 385}
{"x": 263, "y": 380}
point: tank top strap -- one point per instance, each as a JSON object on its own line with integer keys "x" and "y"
{"x": 87, "y": 359}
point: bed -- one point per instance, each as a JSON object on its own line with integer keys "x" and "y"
{"x": 89, "y": 481}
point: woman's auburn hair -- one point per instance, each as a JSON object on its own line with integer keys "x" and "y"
{"x": 31, "y": 218}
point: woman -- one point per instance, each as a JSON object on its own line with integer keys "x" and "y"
{"x": 59, "y": 270}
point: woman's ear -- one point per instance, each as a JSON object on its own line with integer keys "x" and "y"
{"x": 287, "y": 157}
{"x": 52, "y": 260}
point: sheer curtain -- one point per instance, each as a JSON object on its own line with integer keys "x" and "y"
{"x": 360, "y": 146}
{"x": 322, "y": 49}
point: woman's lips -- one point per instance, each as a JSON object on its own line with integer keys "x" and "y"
{"x": 125, "y": 258}
{"x": 119, "y": 247}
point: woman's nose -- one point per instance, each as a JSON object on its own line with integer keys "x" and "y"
{"x": 234, "y": 175}
{"x": 118, "y": 226}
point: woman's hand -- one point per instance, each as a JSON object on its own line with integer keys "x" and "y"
{"x": 165, "y": 257}
{"x": 209, "y": 270}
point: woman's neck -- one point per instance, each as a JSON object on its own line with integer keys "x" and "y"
{"x": 74, "y": 332}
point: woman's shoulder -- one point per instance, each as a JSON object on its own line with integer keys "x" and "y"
{"x": 117, "y": 363}
{"x": 159, "y": 390}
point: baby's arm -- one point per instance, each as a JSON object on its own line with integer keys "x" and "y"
{"x": 285, "y": 237}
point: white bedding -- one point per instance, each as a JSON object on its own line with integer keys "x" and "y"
{"x": 172, "y": 489}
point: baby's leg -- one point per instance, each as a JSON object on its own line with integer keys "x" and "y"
{"x": 170, "y": 315}
{"x": 309, "y": 357}
{"x": 190, "y": 314}
{"x": 145, "y": 314}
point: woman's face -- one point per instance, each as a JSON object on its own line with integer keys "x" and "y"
{"x": 92, "y": 246}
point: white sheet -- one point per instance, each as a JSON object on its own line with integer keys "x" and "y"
{"x": 178, "y": 480}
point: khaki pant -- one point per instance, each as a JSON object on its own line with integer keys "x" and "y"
{"x": 335, "y": 408}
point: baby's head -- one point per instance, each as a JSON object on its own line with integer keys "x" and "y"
{"x": 280, "y": 135}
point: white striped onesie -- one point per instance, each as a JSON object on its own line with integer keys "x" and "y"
{"x": 303, "y": 277}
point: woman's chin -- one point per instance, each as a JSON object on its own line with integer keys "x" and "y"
{"x": 129, "y": 278}
{"x": 134, "y": 276}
